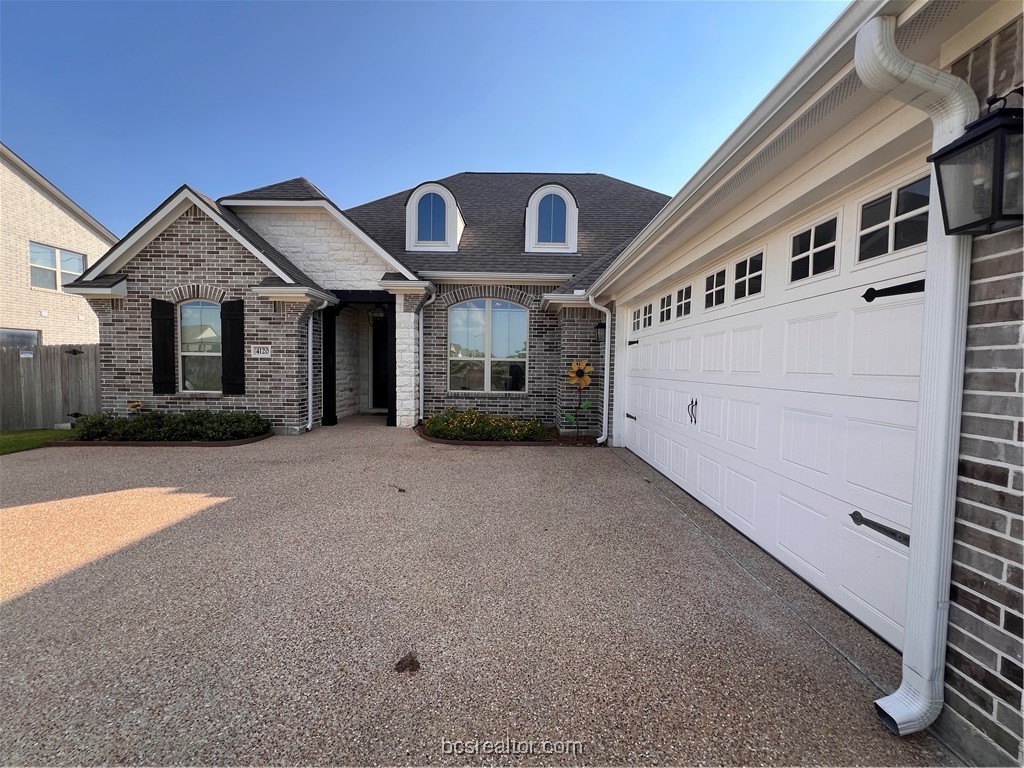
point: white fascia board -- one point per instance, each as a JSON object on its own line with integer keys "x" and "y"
{"x": 112, "y": 292}
{"x": 405, "y": 286}
{"x": 563, "y": 300}
{"x": 495, "y": 278}
{"x": 831, "y": 51}
{"x": 344, "y": 220}
{"x": 159, "y": 220}
{"x": 293, "y": 293}
{"x": 70, "y": 205}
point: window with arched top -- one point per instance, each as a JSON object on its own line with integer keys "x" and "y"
{"x": 551, "y": 220}
{"x": 430, "y": 224}
{"x": 432, "y": 219}
{"x": 487, "y": 346}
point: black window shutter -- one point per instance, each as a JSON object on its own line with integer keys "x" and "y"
{"x": 162, "y": 316}
{"x": 232, "y": 329}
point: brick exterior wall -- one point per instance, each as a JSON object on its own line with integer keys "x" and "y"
{"x": 578, "y": 341}
{"x": 29, "y": 213}
{"x": 544, "y": 373}
{"x": 984, "y": 651}
{"x": 192, "y": 258}
{"x": 982, "y": 719}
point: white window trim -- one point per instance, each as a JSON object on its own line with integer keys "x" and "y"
{"x": 838, "y": 244}
{"x": 724, "y": 268}
{"x": 453, "y": 223}
{"x": 487, "y": 359}
{"x": 179, "y": 385}
{"x": 763, "y": 273}
{"x": 572, "y": 215}
{"x": 56, "y": 268}
{"x": 891, "y": 190}
{"x": 686, "y": 303}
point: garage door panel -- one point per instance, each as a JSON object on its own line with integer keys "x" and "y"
{"x": 874, "y": 575}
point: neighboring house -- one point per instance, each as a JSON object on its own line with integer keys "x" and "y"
{"x": 277, "y": 301}
{"x": 46, "y": 241}
{"x": 791, "y": 352}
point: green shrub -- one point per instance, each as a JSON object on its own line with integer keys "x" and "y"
{"x": 474, "y": 425}
{"x": 159, "y": 425}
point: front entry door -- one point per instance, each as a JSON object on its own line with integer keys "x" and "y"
{"x": 378, "y": 363}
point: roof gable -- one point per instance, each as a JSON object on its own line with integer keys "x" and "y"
{"x": 169, "y": 211}
{"x": 299, "y": 188}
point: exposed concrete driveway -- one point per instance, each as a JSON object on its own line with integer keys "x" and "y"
{"x": 248, "y": 606}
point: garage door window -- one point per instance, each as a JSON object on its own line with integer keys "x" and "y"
{"x": 749, "y": 274}
{"x": 665, "y": 311}
{"x": 648, "y": 317}
{"x": 814, "y": 251}
{"x": 714, "y": 290}
{"x": 683, "y": 301}
{"x": 896, "y": 220}
{"x": 487, "y": 342}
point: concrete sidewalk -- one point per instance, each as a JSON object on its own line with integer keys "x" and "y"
{"x": 248, "y": 606}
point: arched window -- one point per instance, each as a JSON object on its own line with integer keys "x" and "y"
{"x": 551, "y": 219}
{"x": 431, "y": 219}
{"x": 199, "y": 346}
{"x": 487, "y": 346}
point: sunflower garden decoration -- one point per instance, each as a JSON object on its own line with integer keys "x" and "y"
{"x": 579, "y": 377}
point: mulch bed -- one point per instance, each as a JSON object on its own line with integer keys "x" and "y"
{"x": 584, "y": 441}
{"x": 157, "y": 443}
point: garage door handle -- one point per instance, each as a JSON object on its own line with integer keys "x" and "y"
{"x": 692, "y": 408}
{"x": 885, "y": 530}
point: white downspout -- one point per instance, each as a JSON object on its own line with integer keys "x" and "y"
{"x": 951, "y": 104}
{"x": 423, "y": 309}
{"x": 607, "y": 368}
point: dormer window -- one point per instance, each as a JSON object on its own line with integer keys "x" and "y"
{"x": 551, "y": 218}
{"x": 430, "y": 219}
{"x": 433, "y": 221}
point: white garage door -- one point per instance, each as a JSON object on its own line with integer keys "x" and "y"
{"x": 787, "y": 414}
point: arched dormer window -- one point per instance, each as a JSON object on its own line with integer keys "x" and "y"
{"x": 551, "y": 220}
{"x": 432, "y": 219}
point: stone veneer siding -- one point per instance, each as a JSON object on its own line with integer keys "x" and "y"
{"x": 984, "y": 647}
{"x": 29, "y": 213}
{"x": 544, "y": 374}
{"x": 195, "y": 258}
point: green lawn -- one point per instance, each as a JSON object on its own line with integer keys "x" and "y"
{"x": 27, "y": 439}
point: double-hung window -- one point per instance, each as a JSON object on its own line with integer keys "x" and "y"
{"x": 199, "y": 334}
{"x": 487, "y": 346}
{"x": 53, "y": 267}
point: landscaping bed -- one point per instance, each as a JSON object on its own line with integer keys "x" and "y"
{"x": 474, "y": 427}
{"x": 158, "y": 428}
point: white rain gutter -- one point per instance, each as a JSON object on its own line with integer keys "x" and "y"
{"x": 951, "y": 104}
{"x": 423, "y": 364}
{"x": 607, "y": 369}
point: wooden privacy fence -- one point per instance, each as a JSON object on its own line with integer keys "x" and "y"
{"x": 41, "y": 386}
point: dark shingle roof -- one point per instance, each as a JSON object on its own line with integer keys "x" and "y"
{"x": 103, "y": 281}
{"x": 294, "y": 189}
{"x": 586, "y": 277}
{"x": 494, "y": 208}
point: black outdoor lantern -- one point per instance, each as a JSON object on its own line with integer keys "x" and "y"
{"x": 599, "y": 331}
{"x": 979, "y": 174}
{"x": 377, "y": 313}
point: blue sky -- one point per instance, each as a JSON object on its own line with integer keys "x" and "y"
{"x": 120, "y": 103}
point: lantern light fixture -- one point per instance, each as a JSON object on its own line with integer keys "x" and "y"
{"x": 599, "y": 331}
{"x": 979, "y": 174}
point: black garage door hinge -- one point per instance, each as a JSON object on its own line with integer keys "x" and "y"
{"x": 631, "y": 343}
{"x": 914, "y": 286}
{"x": 892, "y": 533}
{"x": 631, "y": 416}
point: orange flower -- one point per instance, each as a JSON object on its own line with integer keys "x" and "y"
{"x": 579, "y": 374}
